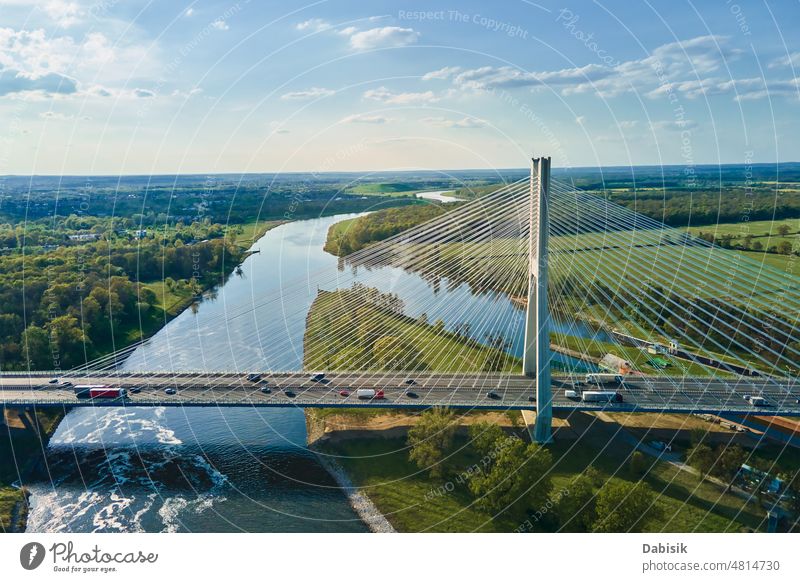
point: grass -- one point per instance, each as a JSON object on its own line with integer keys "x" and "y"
{"x": 254, "y": 230}
{"x": 9, "y": 498}
{"x": 431, "y": 348}
{"x": 384, "y": 189}
{"x": 406, "y": 496}
{"x": 410, "y": 501}
{"x": 639, "y": 358}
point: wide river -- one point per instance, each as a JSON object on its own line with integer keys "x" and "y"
{"x": 204, "y": 469}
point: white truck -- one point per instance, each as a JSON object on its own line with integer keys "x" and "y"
{"x": 601, "y": 396}
{"x": 601, "y": 378}
{"x": 758, "y": 401}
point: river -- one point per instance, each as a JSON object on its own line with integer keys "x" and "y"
{"x": 209, "y": 470}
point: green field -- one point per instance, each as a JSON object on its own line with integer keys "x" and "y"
{"x": 408, "y": 496}
{"x": 384, "y": 189}
{"x": 420, "y": 345}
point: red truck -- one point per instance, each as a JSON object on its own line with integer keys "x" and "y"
{"x": 99, "y": 391}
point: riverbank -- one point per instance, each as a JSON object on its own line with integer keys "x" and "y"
{"x": 24, "y": 449}
{"x": 371, "y": 450}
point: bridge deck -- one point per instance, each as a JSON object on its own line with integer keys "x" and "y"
{"x": 640, "y": 394}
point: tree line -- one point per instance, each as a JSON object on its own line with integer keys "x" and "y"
{"x": 513, "y": 478}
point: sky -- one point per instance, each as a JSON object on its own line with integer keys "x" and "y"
{"x": 136, "y": 87}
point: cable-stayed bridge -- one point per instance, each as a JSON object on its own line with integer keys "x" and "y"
{"x": 506, "y": 301}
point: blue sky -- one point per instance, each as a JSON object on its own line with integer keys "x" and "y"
{"x": 111, "y": 87}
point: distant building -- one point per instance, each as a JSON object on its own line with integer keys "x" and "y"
{"x": 84, "y": 236}
{"x": 140, "y": 233}
{"x": 616, "y": 364}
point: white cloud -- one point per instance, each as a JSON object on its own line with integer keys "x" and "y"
{"x": 56, "y": 116}
{"x": 628, "y": 124}
{"x": 144, "y": 93}
{"x": 463, "y": 123}
{"x": 790, "y": 60}
{"x": 580, "y": 119}
{"x": 443, "y": 73}
{"x": 365, "y": 118}
{"x": 683, "y": 67}
{"x": 383, "y": 37}
{"x": 220, "y": 24}
{"x": 312, "y": 93}
{"x": 313, "y": 25}
{"x": 65, "y": 14}
{"x": 383, "y": 95}
{"x": 13, "y": 81}
{"x": 677, "y": 125}
{"x": 189, "y": 12}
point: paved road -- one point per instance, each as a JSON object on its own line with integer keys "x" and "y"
{"x": 640, "y": 394}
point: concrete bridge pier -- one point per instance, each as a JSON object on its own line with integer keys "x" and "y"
{"x": 536, "y": 356}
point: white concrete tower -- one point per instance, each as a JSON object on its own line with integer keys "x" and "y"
{"x": 536, "y": 358}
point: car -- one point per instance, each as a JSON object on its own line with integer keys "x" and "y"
{"x": 170, "y": 391}
{"x": 134, "y": 389}
{"x": 531, "y": 398}
{"x": 411, "y": 394}
{"x": 492, "y": 395}
{"x": 746, "y": 397}
{"x": 618, "y": 397}
{"x": 266, "y": 389}
{"x": 410, "y": 381}
{"x": 254, "y": 377}
{"x": 53, "y": 381}
{"x": 317, "y": 377}
{"x": 65, "y": 384}
{"x": 289, "y": 393}
{"x": 798, "y": 401}
{"x": 344, "y": 393}
{"x": 379, "y": 395}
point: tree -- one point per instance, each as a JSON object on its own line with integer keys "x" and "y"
{"x": 638, "y": 463}
{"x": 702, "y": 458}
{"x": 729, "y": 463}
{"x": 36, "y": 348}
{"x": 623, "y": 506}
{"x": 784, "y": 247}
{"x": 791, "y": 480}
{"x": 576, "y": 509}
{"x": 395, "y": 353}
{"x": 431, "y": 440}
{"x": 497, "y": 356}
{"x": 783, "y": 229}
{"x": 517, "y": 480}
{"x": 485, "y": 437}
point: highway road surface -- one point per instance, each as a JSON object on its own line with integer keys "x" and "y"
{"x": 463, "y": 391}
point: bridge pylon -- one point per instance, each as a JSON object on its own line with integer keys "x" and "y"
{"x": 536, "y": 357}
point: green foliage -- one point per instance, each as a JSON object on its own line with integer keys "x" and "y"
{"x": 378, "y": 226}
{"x": 623, "y": 506}
{"x": 701, "y": 457}
{"x": 484, "y": 437}
{"x": 576, "y": 509}
{"x": 431, "y": 439}
{"x": 639, "y": 464}
{"x": 65, "y": 304}
{"x": 517, "y": 478}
